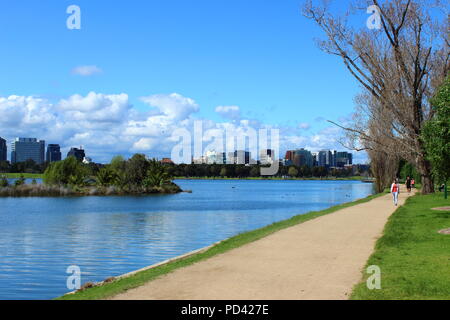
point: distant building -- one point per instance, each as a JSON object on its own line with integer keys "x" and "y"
{"x": 303, "y": 157}
{"x": 87, "y": 160}
{"x": 214, "y": 157}
{"x": 239, "y": 157}
{"x": 289, "y": 158}
{"x": 23, "y": 149}
{"x": 267, "y": 156}
{"x": 3, "y": 149}
{"x": 325, "y": 158}
{"x": 343, "y": 159}
{"x": 53, "y": 153}
{"x": 166, "y": 161}
{"x": 79, "y": 154}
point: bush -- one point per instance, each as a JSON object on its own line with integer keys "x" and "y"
{"x": 67, "y": 172}
{"x": 4, "y": 182}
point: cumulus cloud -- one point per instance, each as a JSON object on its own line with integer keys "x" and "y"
{"x": 173, "y": 106}
{"x": 96, "y": 107}
{"x": 229, "y": 112}
{"x": 86, "y": 71}
{"x": 107, "y": 124}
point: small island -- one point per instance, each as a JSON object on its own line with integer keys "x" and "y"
{"x": 70, "y": 177}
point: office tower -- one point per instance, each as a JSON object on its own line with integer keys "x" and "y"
{"x": 53, "y": 153}
{"x": 303, "y": 157}
{"x": 239, "y": 157}
{"x": 214, "y": 157}
{"x": 3, "y": 149}
{"x": 343, "y": 158}
{"x": 79, "y": 154}
{"x": 23, "y": 149}
{"x": 325, "y": 159}
{"x": 267, "y": 156}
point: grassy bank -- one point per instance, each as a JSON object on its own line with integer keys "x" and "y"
{"x": 121, "y": 285}
{"x": 25, "y": 175}
{"x": 41, "y": 190}
{"x": 414, "y": 258}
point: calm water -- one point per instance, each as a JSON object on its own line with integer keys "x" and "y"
{"x": 110, "y": 236}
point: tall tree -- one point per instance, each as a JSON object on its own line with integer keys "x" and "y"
{"x": 436, "y": 134}
{"x": 399, "y": 65}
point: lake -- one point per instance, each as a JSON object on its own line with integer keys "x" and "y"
{"x": 109, "y": 236}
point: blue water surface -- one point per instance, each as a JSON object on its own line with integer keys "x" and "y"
{"x": 109, "y": 236}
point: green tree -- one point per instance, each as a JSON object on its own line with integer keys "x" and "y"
{"x": 223, "y": 172}
{"x": 136, "y": 169}
{"x": 255, "y": 172}
{"x": 157, "y": 175}
{"x": 293, "y": 172}
{"x": 3, "y": 182}
{"x": 106, "y": 176}
{"x": 117, "y": 163}
{"x": 436, "y": 134}
{"x": 67, "y": 172}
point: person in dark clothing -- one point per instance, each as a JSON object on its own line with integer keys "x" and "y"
{"x": 408, "y": 184}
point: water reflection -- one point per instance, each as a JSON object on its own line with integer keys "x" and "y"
{"x": 109, "y": 236}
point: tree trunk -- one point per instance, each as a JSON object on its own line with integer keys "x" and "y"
{"x": 424, "y": 168}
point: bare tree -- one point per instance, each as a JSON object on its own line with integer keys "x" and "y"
{"x": 398, "y": 66}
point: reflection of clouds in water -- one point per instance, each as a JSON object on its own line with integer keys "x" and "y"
{"x": 109, "y": 236}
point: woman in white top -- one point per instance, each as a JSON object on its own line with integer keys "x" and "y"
{"x": 395, "y": 190}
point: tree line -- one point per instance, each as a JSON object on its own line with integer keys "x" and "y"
{"x": 403, "y": 69}
{"x": 253, "y": 171}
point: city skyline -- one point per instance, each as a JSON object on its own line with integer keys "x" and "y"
{"x": 116, "y": 100}
{"x": 265, "y": 156}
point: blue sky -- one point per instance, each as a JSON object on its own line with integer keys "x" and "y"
{"x": 259, "y": 56}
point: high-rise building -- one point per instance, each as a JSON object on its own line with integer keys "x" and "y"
{"x": 79, "y": 154}
{"x": 342, "y": 159}
{"x": 289, "y": 158}
{"x": 303, "y": 157}
{"x": 3, "y": 149}
{"x": 23, "y": 149}
{"x": 239, "y": 157}
{"x": 325, "y": 158}
{"x": 53, "y": 153}
{"x": 266, "y": 156}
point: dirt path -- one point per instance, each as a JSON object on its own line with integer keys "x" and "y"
{"x": 319, "y": 259}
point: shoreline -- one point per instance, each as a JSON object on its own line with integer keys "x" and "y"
{"x": 355, "y": 178}
{"x": 117, "y": 285}
{"x": 352, "y": 178}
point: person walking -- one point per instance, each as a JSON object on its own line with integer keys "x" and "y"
{"x": 413, "y": 183}
{"x": 395, "y": 190}
{"x": 408, "y": 184}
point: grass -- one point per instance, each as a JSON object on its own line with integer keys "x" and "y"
{"x": 414, "y": 258}
{"x": 25, "y": 175}
{"x": 121, "y": 285}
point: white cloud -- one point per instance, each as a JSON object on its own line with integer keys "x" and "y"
{"x": 304, "y": 126}
{"x": 86, "y": 71}
{"x": 107, "y": 124}
{"x": 173, "y": 106}
{"x": 96, "y": 107}
{"x": 229, "y": 112}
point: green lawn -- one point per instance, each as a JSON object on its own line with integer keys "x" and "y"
{"x": 414, "y": 258}
{"x": 116, "y": 287}
{"x": 25, "y": 175}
